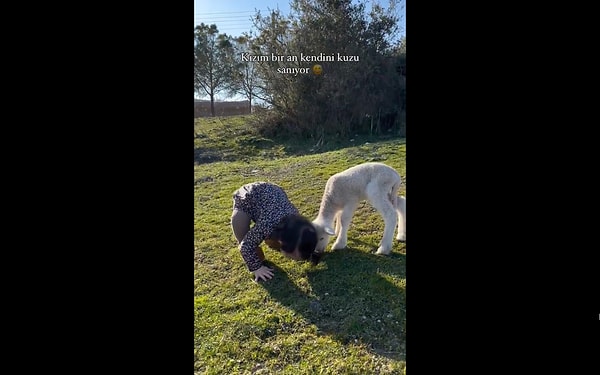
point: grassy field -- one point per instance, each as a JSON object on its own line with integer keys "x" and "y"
{"x": 344, "y": 316}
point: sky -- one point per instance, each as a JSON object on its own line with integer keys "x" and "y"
{"x": 233, "y": 17}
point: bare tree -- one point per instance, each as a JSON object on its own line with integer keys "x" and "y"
{"x": 212, "y": 72}
{"x": 245, "y": 80}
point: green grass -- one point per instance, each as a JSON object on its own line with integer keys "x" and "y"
{"x": 343, "y": 316}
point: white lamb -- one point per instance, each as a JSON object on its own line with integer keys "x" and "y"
{"x": 375, "y": 182}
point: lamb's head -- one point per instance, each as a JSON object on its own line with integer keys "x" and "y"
{"x": 324, "y": 234}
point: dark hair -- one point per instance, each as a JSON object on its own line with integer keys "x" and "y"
{"x": 297, "y": 231}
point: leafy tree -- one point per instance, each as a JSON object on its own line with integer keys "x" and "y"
{"x": 349, "y": 97}
{"x": 273, "y": 40}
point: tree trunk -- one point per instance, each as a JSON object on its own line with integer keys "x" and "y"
{"x": 250, "y": 102}
{"x": 212, "y": 105}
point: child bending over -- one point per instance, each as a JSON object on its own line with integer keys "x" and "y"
{"x": 276, "y": 221}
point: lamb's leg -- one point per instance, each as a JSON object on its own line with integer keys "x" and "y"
{"x": 379, "y": 199}
{"x": 344, "y": 219}
{"x": 401, "y": 210}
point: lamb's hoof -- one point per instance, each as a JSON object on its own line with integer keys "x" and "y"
{"x": 401, "y": 237}
{"x": 383, "y": 251}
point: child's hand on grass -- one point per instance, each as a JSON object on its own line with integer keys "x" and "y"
{"x": 263, "y": 273}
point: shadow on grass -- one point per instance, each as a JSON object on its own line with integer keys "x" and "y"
{"x": 269, "y": 148}
{"x": 355, "y": 299}
{"x": 299, "y": 147}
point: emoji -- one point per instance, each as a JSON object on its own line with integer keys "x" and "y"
{"x": 317, "y": 69}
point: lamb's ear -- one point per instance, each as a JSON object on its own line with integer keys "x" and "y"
{"x": 329, "y": 231}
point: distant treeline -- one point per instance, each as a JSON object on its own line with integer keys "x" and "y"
{"x": 202, "y": 108}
